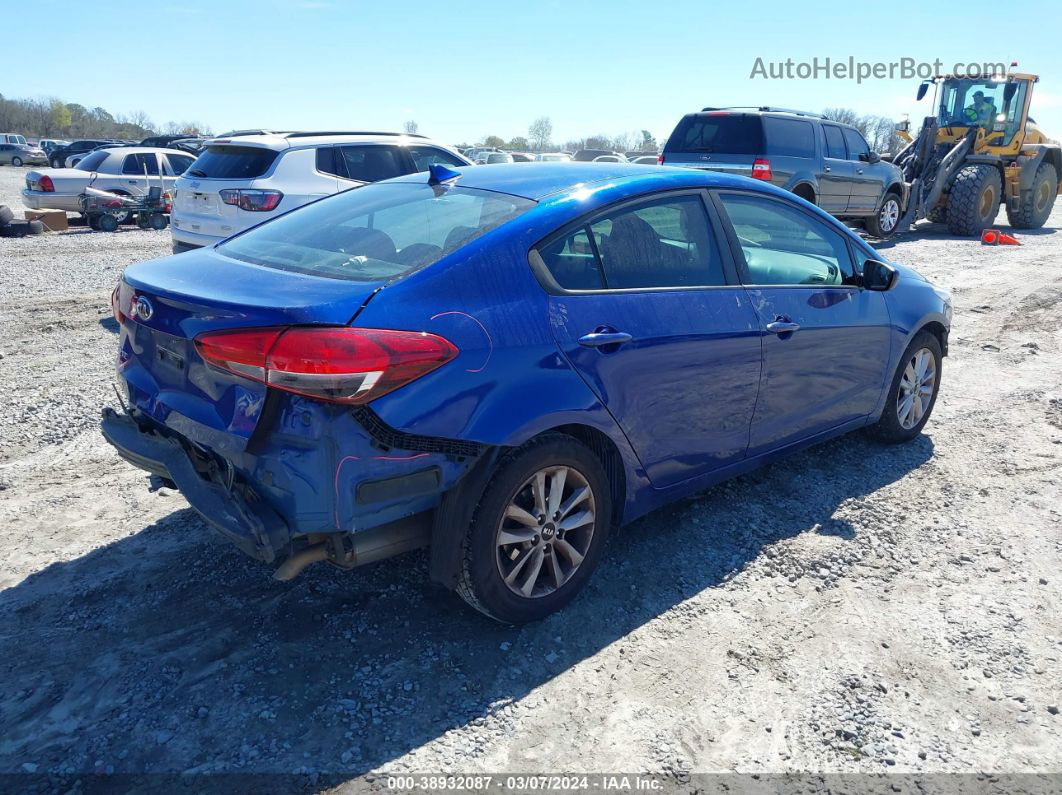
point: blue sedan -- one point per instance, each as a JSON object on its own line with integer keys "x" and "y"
{"x": 503, "y": 364}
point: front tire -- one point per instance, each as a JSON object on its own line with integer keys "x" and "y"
{"x": 887, "y": 219}
{"x": 913, "y": 392}
{"x": 16, "y": 161}
{"x": 1034, "y": 213}
{"x": 973, "y": 201}
{"x": 538, "y": 531}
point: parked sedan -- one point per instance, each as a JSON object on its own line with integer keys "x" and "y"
{"x": 493, "y": 158}
{"x": 21, "y": 155}
{"x": 119, "y": 170}
{"x": 538, "y": 353}
{"x": 553, "y": 157}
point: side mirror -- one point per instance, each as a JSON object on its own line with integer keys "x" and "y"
{"x": 922, "y": 89}
{"x": 879, "y": 276}
{"x": 870, "y": 157}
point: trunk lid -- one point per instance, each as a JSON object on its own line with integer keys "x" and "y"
{"x": 168, "y": 302}
{"x": 64, "y": 180}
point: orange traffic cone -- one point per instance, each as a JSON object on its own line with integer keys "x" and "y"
{"x": 1008, "y": 240}
{"x": 990, "y": 237}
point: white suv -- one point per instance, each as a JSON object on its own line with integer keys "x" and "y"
{"x": 240, "y": 181}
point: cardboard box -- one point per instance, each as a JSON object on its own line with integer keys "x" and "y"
{"x": 53, "y": 220}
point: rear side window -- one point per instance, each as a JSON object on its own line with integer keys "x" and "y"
{"x": 834, "y": 142}
{"x": 232, "y": 162}
{"x": 326, "y": 160}
{"x": 375, "y": 233}
{"x": 92, "y": 161}
{"x": 857, "y": 145}
{"x": 726, "y": 133}
{"x": 660, "y": 243}
{"x": 145, "y": 163}
{"x": 177, "y": 165}
{"x": 789, "y": 137}
{"x": 782, "y": 245}
{"x": 370, "y": 163}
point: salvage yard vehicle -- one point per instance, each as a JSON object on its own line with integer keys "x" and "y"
{"x": 57, "y": 157}
{"x": 21, "y": 155}
{"x": 981, "y": 149}
{"x": 129, "y": 170}
{"x": 824, "y": 162}
{"x": 239, "y": 181}
{"x": 505, "y": 363}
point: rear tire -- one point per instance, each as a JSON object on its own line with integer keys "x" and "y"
{"x": 938, "y": 215}
{"x": 1035, "y": 212}
{"x": 884, "y": 223}
{"x": 6, "y": 216}
{"x": 536, "y": 534}
{"x": 57, "y": 163}
{"x": 909, "y": 404}
{"x": 973, "y": 202}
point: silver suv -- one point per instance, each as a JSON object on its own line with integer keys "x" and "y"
{"x": 822, "y": 161}
{"x": 239, "y": 181}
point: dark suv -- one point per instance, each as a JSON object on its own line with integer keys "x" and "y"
{"x": 822, "y": 161}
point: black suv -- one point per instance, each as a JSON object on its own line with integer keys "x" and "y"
{"x": 822, "y": 161}
{"x": 58, "y": 157}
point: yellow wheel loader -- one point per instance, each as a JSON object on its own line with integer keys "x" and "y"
{"x": 979, "y": 150}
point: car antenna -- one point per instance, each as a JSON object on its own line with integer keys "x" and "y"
{"x": 439, "y": 174}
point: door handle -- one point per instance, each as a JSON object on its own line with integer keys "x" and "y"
{"x": 859, "y": 171}
{"x": 599, "y": 339}
{"x": 826, "y": 168}
{"x": 782, "y": 327}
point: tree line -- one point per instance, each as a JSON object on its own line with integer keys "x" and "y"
{"x": 50, "y": 117}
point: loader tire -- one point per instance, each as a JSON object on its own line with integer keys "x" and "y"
{"x": 1034, "y": 213}
{"x": 973, "y": 201}
{"x": 938, "y": 215}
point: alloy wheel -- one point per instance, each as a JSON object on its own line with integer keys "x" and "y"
{"x": 545, "y": 532}
{"x": 917, "y": 385}
{"x": 890, "y": 214}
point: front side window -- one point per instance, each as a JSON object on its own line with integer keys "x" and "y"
{"x": 426, "y": 156}
{"x": 141, "y": 164}
{"x": 857, "y": 145}
{"x": 375, "y": 233}
{"x": 664, "y": 242}
{"x": 834, "y": 142}
{"x": 371, "y": 163}
{"x": 782, "y": 245}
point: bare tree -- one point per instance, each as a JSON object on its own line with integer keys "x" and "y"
{"x": 410, "y": 127}
{"x": 540, "y": 132}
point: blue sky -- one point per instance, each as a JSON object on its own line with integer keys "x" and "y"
{"x": 470, "y": 69}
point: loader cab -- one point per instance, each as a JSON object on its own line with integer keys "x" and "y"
{"x": 998, "y": 106}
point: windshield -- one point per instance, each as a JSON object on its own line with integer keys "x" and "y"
{"x": 377, "y": 232}
{"x": 981, "y": 103}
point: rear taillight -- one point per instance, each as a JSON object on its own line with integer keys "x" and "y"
{"x": 761, "y": 169}
{"x": 46, "y": 184}
{"x": 253, "y": 200}
{"x": 339, "y": 365}
{"x": 167, "y": 202}
{"x": 660, "y": 159}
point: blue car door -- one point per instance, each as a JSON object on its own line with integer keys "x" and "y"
{"x": 826, "y": 341}
{"x": 643, "y": 308}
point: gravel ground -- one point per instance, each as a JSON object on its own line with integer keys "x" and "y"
{"x": 854, "y": 608}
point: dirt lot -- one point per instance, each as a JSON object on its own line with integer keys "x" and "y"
{"x": 855, "y": 608}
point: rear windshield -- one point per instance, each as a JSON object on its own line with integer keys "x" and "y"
{"x": 376, "y": 232}
{"x": 232, "y": 162}
{"x": 91, "y": 162}
{"x": 725, "y": 133}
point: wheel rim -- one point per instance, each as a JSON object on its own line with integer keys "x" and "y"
{"x": 17, "y": 161}
{"x": 988, "y": 204}
{"x": 1043, "y": 196}
{"x": 545, "y": 532}
{"x": 890, "y": 214}
{"x": 917, "y": 384}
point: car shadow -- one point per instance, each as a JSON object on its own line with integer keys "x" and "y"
{"x": 110, "y": 324}
{"x": 167, "y": 652}
{"x": 928, "y": 231}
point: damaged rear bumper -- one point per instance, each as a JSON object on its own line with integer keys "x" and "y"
{"x": 252, "y": 525}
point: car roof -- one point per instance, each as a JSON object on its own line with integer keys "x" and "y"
{"x": 134, "y": 150}
{"x": 539, "y": 180}
{"x": 288, "y": 140}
